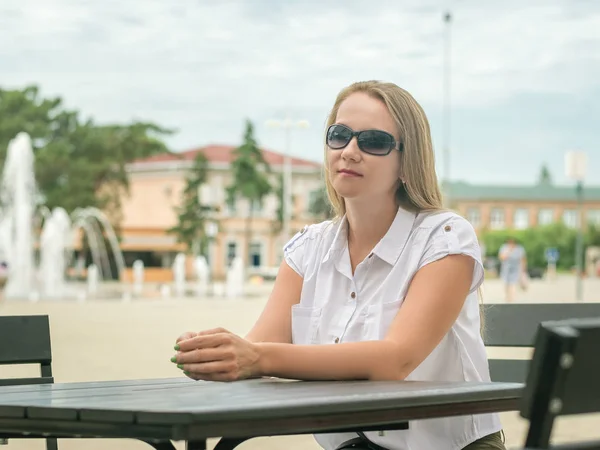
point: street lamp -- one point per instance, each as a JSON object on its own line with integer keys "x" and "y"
{"x": 446, "y": 103}
{"x": 575, "y": 163}
{"x": 287, "y": 124}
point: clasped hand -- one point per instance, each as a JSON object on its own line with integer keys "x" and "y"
{"x": 216, "y": 355}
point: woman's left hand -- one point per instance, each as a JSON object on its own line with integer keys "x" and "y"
{"x": 218, "y": 355}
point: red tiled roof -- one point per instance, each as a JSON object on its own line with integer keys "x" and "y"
{"x": 223, "y": 154}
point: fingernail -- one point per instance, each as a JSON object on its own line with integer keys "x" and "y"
{"x": 176, "y": 347}
{"x": 180, "y": 366}
{"x": 174, "y": 359}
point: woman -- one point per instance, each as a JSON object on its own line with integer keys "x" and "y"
{"x": 386, "y": 291}
{"x": 513, "y": 267}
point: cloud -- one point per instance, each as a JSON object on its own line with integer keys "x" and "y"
{"x": 203, "y": 67}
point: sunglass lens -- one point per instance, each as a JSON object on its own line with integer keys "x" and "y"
{"x": 338, "y": 136}
{"x": 375, "y": 142}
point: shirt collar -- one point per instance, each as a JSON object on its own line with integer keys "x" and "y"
{"x": 389, "y": 247}
{"x": 393, "y": 242}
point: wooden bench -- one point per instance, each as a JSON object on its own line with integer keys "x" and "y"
{"x": 26, "y": 340}
{"x": 564, "y": 379}
{"x": 516, "y": 324}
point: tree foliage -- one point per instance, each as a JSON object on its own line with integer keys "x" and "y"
{"x": 249, "y": 177}
{"x": 545, "y": 176}
{"x": 277, "y": 224}
{"x": 192, "y": 214}
{"x": 78, "y": 163}
{"x": 536, "y": 240}
{"x": 320, "y": 206}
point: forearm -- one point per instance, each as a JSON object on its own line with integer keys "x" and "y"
{"x": 369, "y": 360}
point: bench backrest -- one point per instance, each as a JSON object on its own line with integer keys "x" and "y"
{"x": 563, "y": 378}
{"x": 26, "y": 340}
{"x": 516, "y": 324}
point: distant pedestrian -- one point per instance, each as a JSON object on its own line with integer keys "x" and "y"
{"x": 513, "y": 266}
{"x": 3, "y": 274}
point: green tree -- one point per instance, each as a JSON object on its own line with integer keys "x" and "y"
{"x": 320, "y": 207}
{"x": 250, "y": 178}
{"x": 277, "y": 224}
{"x": 537, "y": 239}
{"x": 78, "y": 163}
{"x": 191, "y": 213}
{"x": 545, "y": 175}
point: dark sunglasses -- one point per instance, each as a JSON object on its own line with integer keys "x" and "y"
{"x": 373, "y": 142}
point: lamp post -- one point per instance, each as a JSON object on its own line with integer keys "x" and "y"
{"x": 211, "y": 229}
{"x": 576, "y": 162}
{"x": 207, "y": 197}
{"x": 287, "y": 124}
{"x": 446, "y": 103}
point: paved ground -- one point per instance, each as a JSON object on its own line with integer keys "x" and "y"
{"x": 104, "y": 340}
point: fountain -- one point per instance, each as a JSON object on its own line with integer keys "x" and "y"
{"x": 234, "y": 283}
{"x": 179, "y": 274}
{"x": 19, "y": 219}
{"x": 55, "y": 241}
{"x": 138, "y": 277}
{"x": 202, "y": 275}
{"x": 17, "y": 190}
{"x": 92, "y": 279}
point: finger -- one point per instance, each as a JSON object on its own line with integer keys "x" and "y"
{"x": 201, "y": 356}
{"x": 214, "y": 371}
{"x": 212, "y": 331}
{"x": 205, "y": 341}
{"x": 209, "y": 376}
{"x": 210, "y": 367}
{"x": 186, "y": 335}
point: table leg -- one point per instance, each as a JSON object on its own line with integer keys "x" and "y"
{"x": 195, "y": 445}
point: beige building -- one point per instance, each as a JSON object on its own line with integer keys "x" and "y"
{"x": 498, "y": 207}
{"x": 156, "y": 185}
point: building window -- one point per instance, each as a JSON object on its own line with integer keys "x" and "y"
{"x": 231, "y": 206}
{"x": 231, "y": 252}
{"x": 256, "y": 254}
{"x": 593, "y": 217}
{"x": 521, "y": 219}
{"x": 474, "y": 216}
{"x": 571, "y": 218}
{"x": 497, "y": 219}
{"x": 255, "y": 207}
{"x": 545, "y": 216}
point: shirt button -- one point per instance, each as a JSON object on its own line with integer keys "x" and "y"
{"x": 353, "y": 295}
{"x": 337, "y": 340}
{"x": 370, "y": 255}
{"x": 447, "y": 228}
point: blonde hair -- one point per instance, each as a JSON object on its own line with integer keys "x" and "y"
{"x": 421, "y": 191}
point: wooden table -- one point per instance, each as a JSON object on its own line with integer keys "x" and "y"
{"x": 158, "y": 411}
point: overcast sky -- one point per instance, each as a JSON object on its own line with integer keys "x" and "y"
{"x": 525, "y": 74}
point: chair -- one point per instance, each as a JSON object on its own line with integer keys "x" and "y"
{"x": 515, "y": 325}
{"x": 26, "y": 340}
{"x": 564, "y": 379}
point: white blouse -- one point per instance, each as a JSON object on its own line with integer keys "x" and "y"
{"x": 336, "y": 306}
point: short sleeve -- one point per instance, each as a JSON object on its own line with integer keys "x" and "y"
{"x": 455, "y": 236}
{"x": 296, "y": 249}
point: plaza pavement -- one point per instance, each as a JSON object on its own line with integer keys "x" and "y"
{"x": 112, "y": 339}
